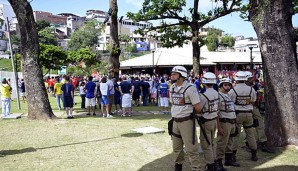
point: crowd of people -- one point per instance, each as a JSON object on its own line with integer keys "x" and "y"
{"x": 105, "y": 91}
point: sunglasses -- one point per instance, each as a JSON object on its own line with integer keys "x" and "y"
{"x": 227, "y": 84}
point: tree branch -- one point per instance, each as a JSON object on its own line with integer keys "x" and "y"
{"x": 167, "y": 25}
{"x": 177, "y": 16}
{"x": 204, "y": 22}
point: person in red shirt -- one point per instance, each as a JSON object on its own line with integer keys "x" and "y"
{"x": 74, "y": 82}
{"x": 51, "y": 83}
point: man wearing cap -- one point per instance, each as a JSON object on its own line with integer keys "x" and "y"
{"x": 210, "y": 102}
{"x": 260, "y": 127}
{"x": 184, "y": 99}
{"x": 5, "y": 97}
{"x": 226, "y": 125}
{"x": 244, "y": 96}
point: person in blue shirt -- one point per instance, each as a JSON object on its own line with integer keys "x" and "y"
{"x": 126, "y": 90}
{"x": 198, "y": 84}
{"x": 117, "y": 95}
{"x": 90, "y": 95}
{"x": 145, "y": 88}
{"x": 164, "y": 96}
{"x": 68, "y": 92}
{"x": 137, "y": 91}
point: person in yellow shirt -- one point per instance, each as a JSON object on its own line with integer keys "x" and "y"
{"x": 46, "y": 86}
{"x": 58, "y": 92}
{"x": 5, "y": 97}
{"x": 63, "y": 79}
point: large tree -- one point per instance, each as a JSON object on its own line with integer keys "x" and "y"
{"x": 85, "y": 36}
{"x": 38, "y": 103}
{"x": 174, "y": 32}
{"x": 227, "y": 41}
{"x": 115, "y": 51}
{"x": 42, "y": 24}
{"x": 82, "y": 61}
{"x": 52, "y": 57}
{"x": 272, "y": 21}
{"x": 46, "y": 36}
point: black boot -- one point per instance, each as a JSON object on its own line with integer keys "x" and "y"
{"x": 210, "y": 167}
{"x": 247, "y": 147}
{"x": 233, "y": 158}
{"x": 218, "y": 165}
{"x": 178, "y": 167}
{"x": 229, "y": 161}
{"x": 254, "y": 155}
{"x": 265, "y": 147}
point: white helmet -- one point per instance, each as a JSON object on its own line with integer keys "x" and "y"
{"x": 225, "y": 80}
{"x": 181, "y": 70}
{"x": 240, "y": 76}
{"x": 209, "y": 78}
{"x": 248, "y": 74}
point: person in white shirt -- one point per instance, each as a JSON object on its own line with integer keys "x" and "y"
{"x": 104, "y": 88}
{"x": 112, "y": 92}
{"x": 83, "y": 95}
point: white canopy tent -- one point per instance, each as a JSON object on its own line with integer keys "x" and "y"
{"x": 183, "y": 56}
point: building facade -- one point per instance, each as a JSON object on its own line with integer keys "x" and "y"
{"x": 244, "y": 45}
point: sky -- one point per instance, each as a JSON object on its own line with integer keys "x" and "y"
{"x": 231, "y": 24}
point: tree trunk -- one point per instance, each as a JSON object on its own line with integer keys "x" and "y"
{"x": 196, "y": 56}
{"x": 115, "y": 51}
{"x": 37, "y": 99}
{"x": 272, "y": 21}
{"x": 195, "y": 40}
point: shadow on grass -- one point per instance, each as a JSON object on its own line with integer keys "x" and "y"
{"x": 129, "y": 135}
{"x": 31, "y": 149}
{"x": 13, "y": 152}
{"x": 76, "y": 143}
{"x": 166, "y": 163}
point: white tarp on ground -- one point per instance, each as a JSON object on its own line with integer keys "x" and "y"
{"x": 183, "y": 56}
{"x": 14, "y": 116}
{"x": 149, "y": 130}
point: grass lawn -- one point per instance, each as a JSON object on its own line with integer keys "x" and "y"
{"x": 96, "y": 143}
{"x": 5, "y": 64}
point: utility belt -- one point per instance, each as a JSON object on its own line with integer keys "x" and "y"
{"x": 203, "y": 120}
{"x": 171, "y": 122}
{"x": 225, "y": 120}
{"x": 243, "y": 111}
{"x": 183, "y": 119}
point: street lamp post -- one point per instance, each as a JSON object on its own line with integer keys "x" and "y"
{"x": 13, "y": 65}
{"x": 153, "y": 66}
{"x": 251, "y": 64}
